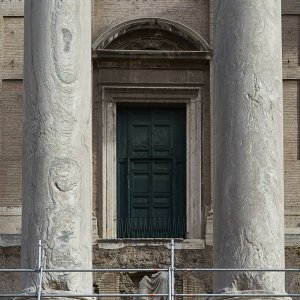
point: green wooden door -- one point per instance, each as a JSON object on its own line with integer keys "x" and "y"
{"x": 151, "y": 172}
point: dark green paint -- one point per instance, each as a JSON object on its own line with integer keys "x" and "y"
{"x": 151, "y": 150}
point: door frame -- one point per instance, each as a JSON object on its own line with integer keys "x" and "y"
{"x": 174, "y": 155}
{"x": 107, "y": 197}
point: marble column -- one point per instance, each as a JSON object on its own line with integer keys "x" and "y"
{"x": 248, "y": 143}
{"x": 57, "y": 171}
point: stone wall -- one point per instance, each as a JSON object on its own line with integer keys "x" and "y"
{"x": 10, "y": 258}
{"x": 291, "y": 73}
{"x": 192, "y": 13}
{"x": 153, "y": 256}
{"x": 196, "y": 15}
{"x": 11, "y": 74}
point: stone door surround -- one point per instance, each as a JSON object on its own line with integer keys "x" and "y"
{"x": 110, "y": 96}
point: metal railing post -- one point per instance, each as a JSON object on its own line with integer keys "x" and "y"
{"x": 171, "y": 294}
{"x": 172, "y": 271}
{"x": 40, "y": 271}
{"x": 169, "y": 284}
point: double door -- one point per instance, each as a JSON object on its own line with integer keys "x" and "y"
{"x": 151, "y": 150}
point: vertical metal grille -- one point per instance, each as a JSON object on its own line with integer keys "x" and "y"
{"x": 151, "y": 227}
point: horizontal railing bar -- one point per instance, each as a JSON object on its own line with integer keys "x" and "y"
{"x": 149, "y": 270}
{"x": 225, "y": 295}
{"x": 236, "y": 270}
{"x": 17, "y": 295}
{"x": 102, "y": 295}
{"x": 149, "y": 295}
{"x": 104, "y": 270}
{"x": 18, "y": 270}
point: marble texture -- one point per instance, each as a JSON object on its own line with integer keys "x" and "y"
{"x": 248, "y": 143}
{"x": 57, "y": 154}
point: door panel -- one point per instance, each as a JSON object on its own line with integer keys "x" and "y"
{"x": 151, "y": 172}
{"x": 139, "y": 134}
{"x": 140, "y": 137}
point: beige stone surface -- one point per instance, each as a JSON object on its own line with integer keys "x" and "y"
{"x": 11, "y": 180}
{"x": 12, "y": 55}
{"x": 248, "y": 144}
{"x": 13, "y": 8}
{"x": 10, "y": 258}
{"x": 11, "y": 118}
{"x": 290, "y": 39}
{"x": 192, "y": 13}
{"x": 290, "y": 7}
{"x": 57, "y": 142}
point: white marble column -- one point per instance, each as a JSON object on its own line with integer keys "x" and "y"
{"x": 57, "y": 173}
{"x": 248, "y": 143}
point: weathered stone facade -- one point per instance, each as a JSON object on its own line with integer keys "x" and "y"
{"x": 248, "y": 145}
{"x": 152, "y": 256}
{"x": 197, "y": 15}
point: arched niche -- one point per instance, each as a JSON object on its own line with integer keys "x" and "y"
{"x": 151, "y": 34}
{"x": 150, "y": 61}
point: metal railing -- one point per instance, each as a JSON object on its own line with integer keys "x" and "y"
{"x": 39, "y": 271}
{"x": 151, "y": 227}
